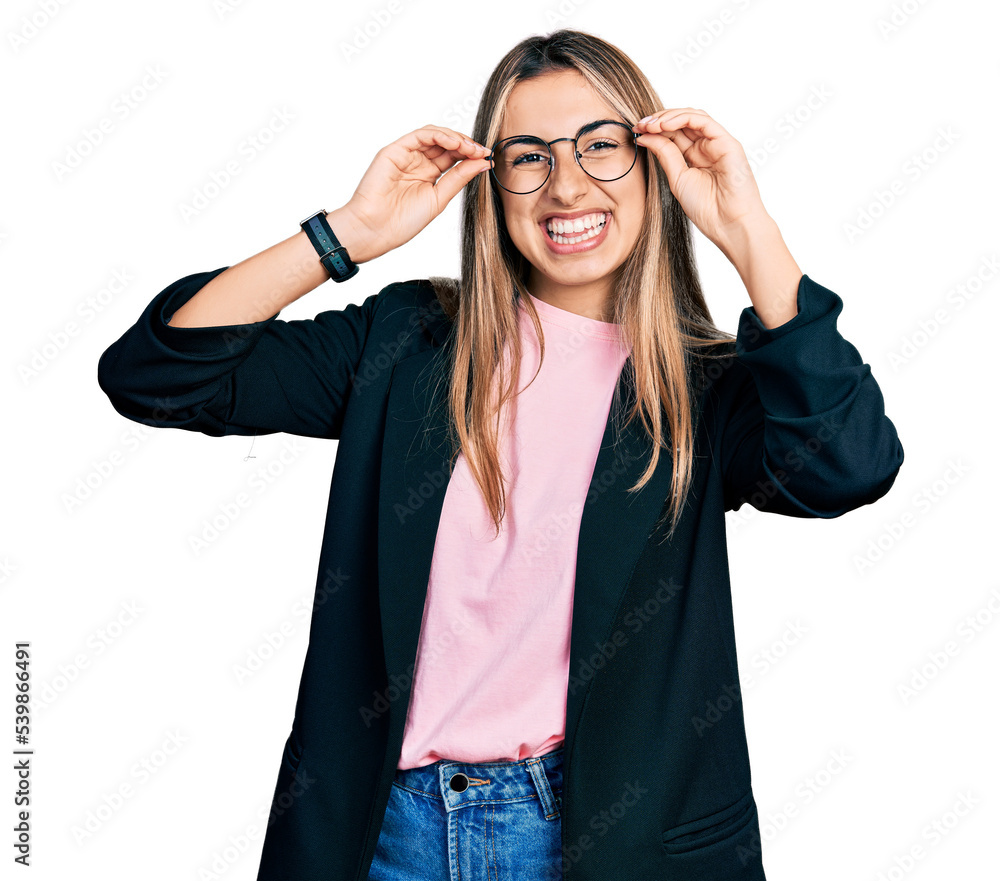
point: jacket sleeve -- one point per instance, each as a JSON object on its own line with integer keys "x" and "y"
{"x": 802, "y": 420}
{"x": 259, "y": 378}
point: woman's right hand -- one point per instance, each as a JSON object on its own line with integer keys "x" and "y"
{"x": 403, "y": 189}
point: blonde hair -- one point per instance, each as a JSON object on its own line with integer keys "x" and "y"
{"x": 658, "y": 299}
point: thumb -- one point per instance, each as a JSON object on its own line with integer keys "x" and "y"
{"x": 452, "y": 181}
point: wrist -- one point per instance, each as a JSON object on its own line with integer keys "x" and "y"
{"x": 747, "y": 235}
{"x": 767, "y": 269}
{"x": 351, "y": 233}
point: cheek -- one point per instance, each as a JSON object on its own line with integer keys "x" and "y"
{"x": 522, "y": 230}
{"x": 637, "y": 214}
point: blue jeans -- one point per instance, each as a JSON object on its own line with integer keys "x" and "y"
{"x": 473, "y": 822}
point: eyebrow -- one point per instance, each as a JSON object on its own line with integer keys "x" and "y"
{"x": 521, "y": 138}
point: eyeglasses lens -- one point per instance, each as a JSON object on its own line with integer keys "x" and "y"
{"x": 521, "y": 164}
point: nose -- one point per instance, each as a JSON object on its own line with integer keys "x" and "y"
{"x": 567, "y": 180}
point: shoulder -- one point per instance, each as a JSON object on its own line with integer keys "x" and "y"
{"x": 715, "y": 364}
{"x": 416, "y": 308}
{"x": 416, "y": 293}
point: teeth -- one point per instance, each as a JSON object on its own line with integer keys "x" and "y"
{"x": 584, "y": 228}
{"x": 577, "y": 225}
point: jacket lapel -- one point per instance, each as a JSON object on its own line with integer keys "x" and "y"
{"x": 415, "y": 473}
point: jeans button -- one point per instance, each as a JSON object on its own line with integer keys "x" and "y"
{"x": 459, "y": 782}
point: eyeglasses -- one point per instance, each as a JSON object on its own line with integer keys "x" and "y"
{"x": 605, "y": 150}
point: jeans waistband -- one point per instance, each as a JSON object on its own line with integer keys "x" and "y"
{"x": 463, "y": 783}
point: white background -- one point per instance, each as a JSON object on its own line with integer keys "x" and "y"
{"x": 113, "y": 688}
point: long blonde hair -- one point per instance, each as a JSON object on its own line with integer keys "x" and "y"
{"x": 658, "y": 299}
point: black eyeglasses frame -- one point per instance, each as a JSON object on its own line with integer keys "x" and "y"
{"x": 576, "y": 153}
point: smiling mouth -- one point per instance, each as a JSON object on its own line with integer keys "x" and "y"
{"x": 572, "y": 232}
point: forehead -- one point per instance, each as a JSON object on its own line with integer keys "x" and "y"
{"x": 554, "y": 105}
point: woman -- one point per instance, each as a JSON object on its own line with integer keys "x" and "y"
{"x": 522, "y": 658}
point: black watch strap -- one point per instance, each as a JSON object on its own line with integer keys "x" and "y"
{"x": 332, "y": 254}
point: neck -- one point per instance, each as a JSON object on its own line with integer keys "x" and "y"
{"x": 589, "y": 300}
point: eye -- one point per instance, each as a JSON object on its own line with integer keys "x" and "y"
{"x": 602, "y": 146}
{"x": 534, "y": 158}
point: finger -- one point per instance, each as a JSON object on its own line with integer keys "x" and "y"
{"x": 668, "y": 154}
{"x": 701, "y": 140}
{"x": 693, "y": 122}
{"x": 690, "y": 122}
{"x": 669, "y": 110}
{"x": 431, "y": 135}
{"x": 444, "y": 147}
{"x": 451, "y": 184}
{"x": 448, "y": 158}
{"x": 682, "y": 139}
{"x": 412, "y": 159}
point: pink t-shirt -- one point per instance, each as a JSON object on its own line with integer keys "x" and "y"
{"x": 492, "y": 665}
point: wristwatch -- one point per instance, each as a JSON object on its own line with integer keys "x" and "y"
{"x": 332, "y": 254}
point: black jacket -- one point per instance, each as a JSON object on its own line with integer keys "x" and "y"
{"x": 656, "y": 773}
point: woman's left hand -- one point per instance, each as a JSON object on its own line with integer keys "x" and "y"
{"x": 707, "y": 170}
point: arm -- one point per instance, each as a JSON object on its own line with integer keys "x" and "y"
{"x": 253, "y": 378}
{"x": 208, "y": 353}
{"x": 801, "y": 426}
{"x": 261, "y": 286}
